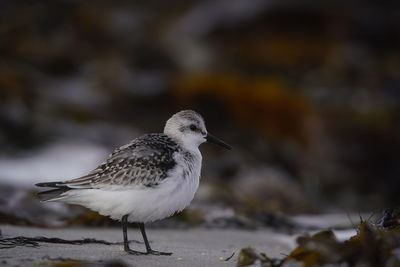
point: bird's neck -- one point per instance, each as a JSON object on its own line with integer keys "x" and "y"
{"x": 187, "y": 145}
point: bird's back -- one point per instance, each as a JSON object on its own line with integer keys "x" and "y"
{"x": 145, "y": 161}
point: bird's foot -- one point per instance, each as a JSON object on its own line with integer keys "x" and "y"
{"x": 134, "y": 252}
{"x": 159, "y": 253}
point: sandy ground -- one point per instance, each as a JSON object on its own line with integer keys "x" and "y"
{"x": 191, "y": 247}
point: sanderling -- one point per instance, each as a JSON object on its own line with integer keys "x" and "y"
{"x": 148, "y": 179}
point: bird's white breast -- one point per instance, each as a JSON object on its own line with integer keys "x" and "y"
{"x": 181, "y": 184}
{"x": 144, "y": 204}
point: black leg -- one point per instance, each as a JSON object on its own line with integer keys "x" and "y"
{"x": 146, "y": 242}
{"x": 126, "y": 242}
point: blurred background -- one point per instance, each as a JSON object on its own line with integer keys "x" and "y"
{"x": 307, "y": 92}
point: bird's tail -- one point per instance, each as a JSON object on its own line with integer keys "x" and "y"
{"x": 53, "y": 194}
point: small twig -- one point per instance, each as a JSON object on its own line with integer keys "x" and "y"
{"x": 351, "y": 221}
{"x": 361, "y": 218}
{"x": 370, "y": 217}
{"x": 230, "y": 257}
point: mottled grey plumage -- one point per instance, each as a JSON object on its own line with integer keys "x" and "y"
{"x": 144, "y": 161}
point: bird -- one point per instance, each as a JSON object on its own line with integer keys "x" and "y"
{"x": 151, "y": 178}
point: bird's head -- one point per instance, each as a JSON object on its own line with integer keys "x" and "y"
{"x": 188, "y": 127}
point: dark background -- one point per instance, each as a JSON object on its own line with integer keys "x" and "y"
{"x": 307, "y": 92}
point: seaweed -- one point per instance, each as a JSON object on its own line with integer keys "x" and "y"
{"x": 373, "y": 245}
{"x": 34, "y": 241}
{"x": 390, "y": 219}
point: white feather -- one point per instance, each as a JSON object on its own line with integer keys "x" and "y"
{"x": 143, "y": 204}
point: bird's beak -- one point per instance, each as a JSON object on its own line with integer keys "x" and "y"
{"x": 215, "y": 140}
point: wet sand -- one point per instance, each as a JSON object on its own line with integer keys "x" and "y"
{"x": 190, "y": 247}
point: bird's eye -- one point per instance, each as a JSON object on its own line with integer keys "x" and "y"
{"x": 193, "y": 127}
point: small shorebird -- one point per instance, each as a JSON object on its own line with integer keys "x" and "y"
{"x": 151, "y": 178}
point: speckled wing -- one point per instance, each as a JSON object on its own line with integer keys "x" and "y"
{"x": 144, "y": 161}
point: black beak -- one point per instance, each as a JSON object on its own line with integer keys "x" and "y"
{"x": 215, "y": 140}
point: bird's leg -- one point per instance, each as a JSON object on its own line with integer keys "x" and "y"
{"x": 126, "y": 242}
{"x": 146, "y": 242}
